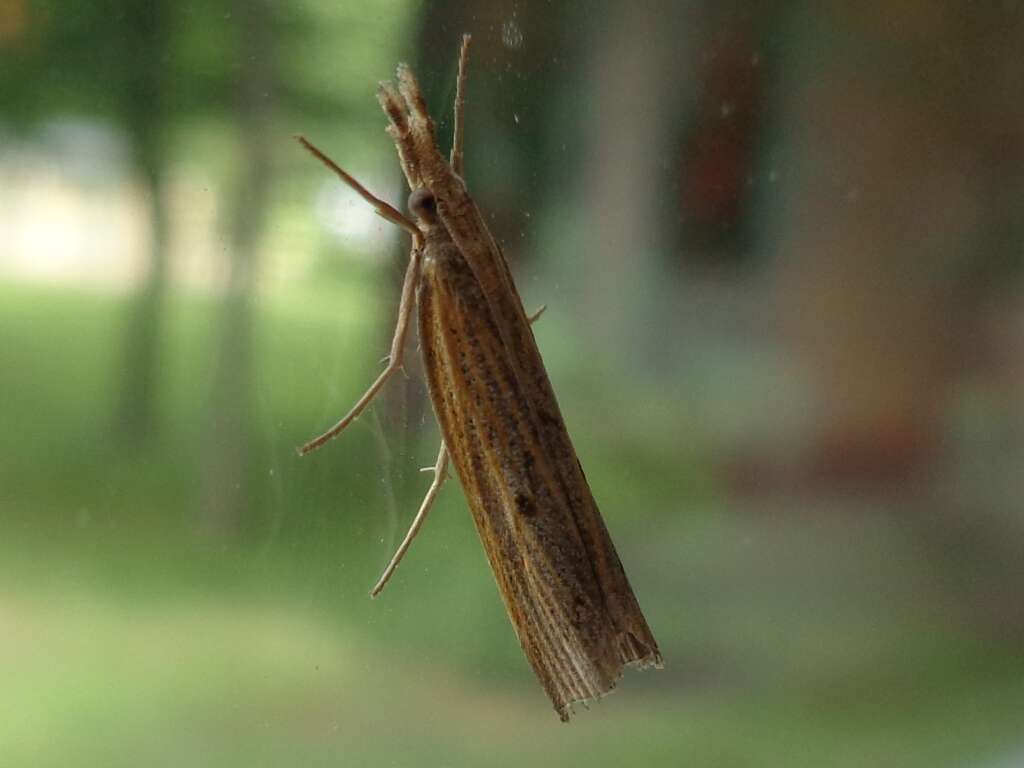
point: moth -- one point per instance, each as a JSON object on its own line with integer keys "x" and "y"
{"x": 562, "y": 583}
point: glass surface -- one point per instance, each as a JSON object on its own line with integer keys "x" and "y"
{"x": 780, "y": 246}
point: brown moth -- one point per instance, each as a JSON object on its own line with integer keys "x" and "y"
{"x": 561, "y": 580}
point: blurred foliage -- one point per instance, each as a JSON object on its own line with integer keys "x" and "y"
{"x": 95, "y": 58}
{"x": 791, "y": 641}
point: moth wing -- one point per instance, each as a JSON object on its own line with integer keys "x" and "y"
{"x": 559, "y": 575}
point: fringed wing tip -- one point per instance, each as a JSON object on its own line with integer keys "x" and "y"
{"x": 651, "y": 658}
{"x": 638, "y": 653}
{"x": 651, "y": 661}
{"x": 566, "y": 710}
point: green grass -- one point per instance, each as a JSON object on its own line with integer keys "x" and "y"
{"x": 127, "y": 638}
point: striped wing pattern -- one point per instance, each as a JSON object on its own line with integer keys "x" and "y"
{"x": 559, "y": 575}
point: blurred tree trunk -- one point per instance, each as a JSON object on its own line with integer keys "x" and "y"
{"x": 226, "y": 450}
{"x": 144, "y": 110}
{"x": 638, "y": 80}
{"x": 136, "y": 405}
{"x": 882, "y": 231}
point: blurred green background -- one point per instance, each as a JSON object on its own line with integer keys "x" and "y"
{"x": 781, "y": 250}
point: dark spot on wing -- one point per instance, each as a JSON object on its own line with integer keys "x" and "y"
{"x": 525, "y": 505}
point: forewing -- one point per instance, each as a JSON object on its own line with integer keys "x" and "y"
{"x": 542, "y": 557}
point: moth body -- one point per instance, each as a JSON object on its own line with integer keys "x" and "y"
{"x": 555, "y": 565}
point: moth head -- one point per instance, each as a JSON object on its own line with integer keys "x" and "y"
{"x": 423, "y": 206}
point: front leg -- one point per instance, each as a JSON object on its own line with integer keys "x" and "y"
{"x": 412, "y": 276}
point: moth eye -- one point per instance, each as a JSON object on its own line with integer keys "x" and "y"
{"x": 422, "y": 204}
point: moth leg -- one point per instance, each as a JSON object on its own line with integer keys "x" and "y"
{"x": 440, "y": 475}
{"x": 405, "y": 308}
{"x": 531, "y": 319}
{"x": 412, "y": 273}
{"x": 460, "y": 108}
{"x": 383, "y": 209}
